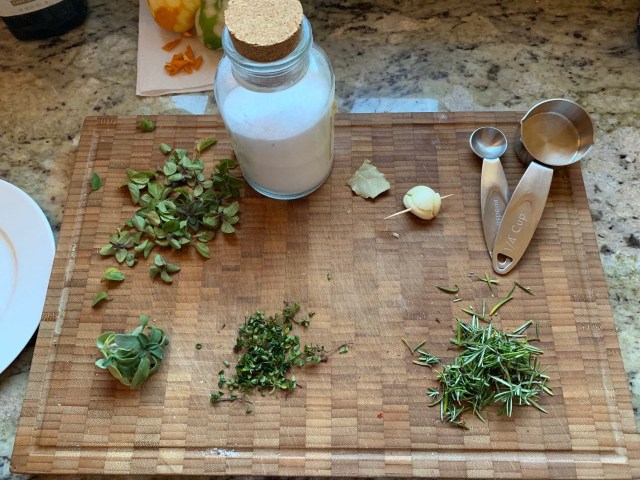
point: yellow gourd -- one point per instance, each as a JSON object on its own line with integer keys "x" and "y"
{"x": 174, "y": 15}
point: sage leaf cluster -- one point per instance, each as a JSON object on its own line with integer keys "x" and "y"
{"x": 133, "y": 357}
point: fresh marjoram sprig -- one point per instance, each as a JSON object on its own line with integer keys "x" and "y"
{"x": 493, "y": 368}
{"x": 178, "y": 206}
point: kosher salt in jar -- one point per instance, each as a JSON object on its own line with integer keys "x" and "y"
{"x": 275, "y": 88}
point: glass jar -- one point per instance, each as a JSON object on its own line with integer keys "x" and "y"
{"x": 279, "y": 116}
{"x": 42, "y": 19}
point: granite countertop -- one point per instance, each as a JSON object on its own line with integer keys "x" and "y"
{"x": 388, "y": 55}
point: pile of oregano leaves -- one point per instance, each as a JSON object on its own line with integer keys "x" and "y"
{"x": 133, "y": 357}
{"x": 178, "y": 206}
{"x": 267, "y": 350}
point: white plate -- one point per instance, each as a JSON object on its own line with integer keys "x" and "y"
{"x": 27, "y": 249}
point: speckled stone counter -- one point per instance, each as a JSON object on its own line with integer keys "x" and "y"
{"x": 388, "y": 55}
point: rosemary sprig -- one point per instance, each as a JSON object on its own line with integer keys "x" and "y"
{"x": 493, "y": 368}
{"x": 426, "y": 359}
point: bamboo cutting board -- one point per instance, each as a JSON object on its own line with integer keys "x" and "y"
{"x": 371, "y": 282}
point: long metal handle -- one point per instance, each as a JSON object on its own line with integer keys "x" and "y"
{"x": 521, "y": 217}
{"x": 494, "y": 195}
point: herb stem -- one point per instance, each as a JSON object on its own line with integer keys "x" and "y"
{"x": 497, "y": 306}
{"x": 452, "y": 290}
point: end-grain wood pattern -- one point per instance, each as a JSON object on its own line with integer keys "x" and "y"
{"x": 371, "y": 282}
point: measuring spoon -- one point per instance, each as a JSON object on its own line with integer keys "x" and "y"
{"x": 489, "y": 143}
{"x": 554, "y": 133}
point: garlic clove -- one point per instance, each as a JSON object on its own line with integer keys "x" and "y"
{"x": 423, "y": 202}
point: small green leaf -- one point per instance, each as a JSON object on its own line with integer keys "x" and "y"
{"x": 159, "y": 260}
{"x": 146, "y": 125}
{"x": 134, "y": 190}
{"x": 203, "y": 250}
{"x": 113, "y": 274}
{"x": 108, "y": 250}
{"x": 169, "y": 168}
{"x": 172, "y": 267}
{"x": 147, "y": 249}
{"x": 142, "y": 373}
{"x": 127, "y": 341}
{"x": 205, "y": 235}
{"x": 171, "y": 226}
{"x": 232, "y": 209}
{"x": 96, "y": 181}
{"x": 164, "y": 148}
{"x": 99, "y": 297}
{"x": 155, "y": 189}
{"x": 198, "y": 346}
{"x": 154, "y": 271}
{"x": 130, "y": 260}
{"x": 165, "y": 277}
{"x": 227, "y": 228}
{"x": 202, "y": 145}
{"x": 121, "y": 254}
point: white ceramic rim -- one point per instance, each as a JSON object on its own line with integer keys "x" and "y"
{"x": 27, "y": 248}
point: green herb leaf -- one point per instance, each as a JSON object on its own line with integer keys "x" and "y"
{"x": 96, "y": 182}
{"x": 203, "y": 250}
{"x": 146, "y": 125}
{"x": 113, "y": 274}
{"x": 202, "y": 145}
{"x": 198, "y": 346}
{"x": 98, "y": 298}
{"x": 164, "y": 148}
{"x": 231, "y": 210}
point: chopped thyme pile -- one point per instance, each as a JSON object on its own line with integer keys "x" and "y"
{"x": 267, "y": 350}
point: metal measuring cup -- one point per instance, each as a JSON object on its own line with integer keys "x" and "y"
{"x": 554, "y": 133}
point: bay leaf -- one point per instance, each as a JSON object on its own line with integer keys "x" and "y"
{"x": 368, "y": 181}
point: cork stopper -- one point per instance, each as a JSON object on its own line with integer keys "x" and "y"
{"x": 264, "y": 30}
